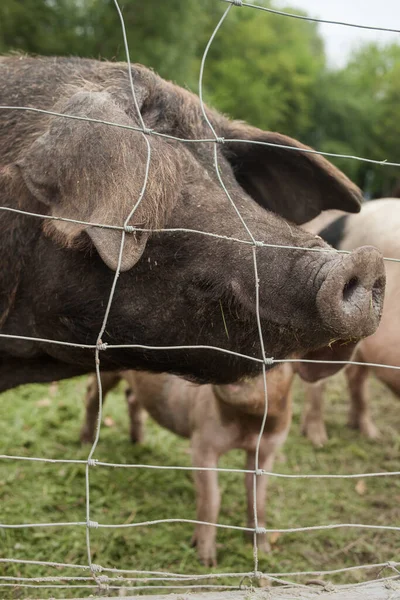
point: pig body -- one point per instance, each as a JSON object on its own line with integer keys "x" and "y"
{"x": 177, "y": 287}
{"x": 377, "y": 224}
{"x": 216, "y": 418}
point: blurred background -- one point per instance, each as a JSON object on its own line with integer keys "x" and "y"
{"x": 335, "y": 88}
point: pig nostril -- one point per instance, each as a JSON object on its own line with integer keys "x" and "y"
{"x": 349, "y": 288}
{"x": 377, "y": 289}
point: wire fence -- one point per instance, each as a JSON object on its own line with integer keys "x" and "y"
{"x": 102, "y": 578}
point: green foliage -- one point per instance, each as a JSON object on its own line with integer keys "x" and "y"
{"x": 161, "y": 35}
{"x": 42, "y": 27}
{"x": 356, "y": 112}
{"x": 382, "y": 84}
{"x": 264, "y": 68}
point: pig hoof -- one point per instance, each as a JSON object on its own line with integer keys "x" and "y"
{"x": 208, "y": 559}
{"x": 87, "y": 437}
{"x": 207, "y": 556}
{"x": 366, "y": 426}
{"x": 136, "y": 438}
{"x": 370, "y": 430}
{"x": 315, "y": 431}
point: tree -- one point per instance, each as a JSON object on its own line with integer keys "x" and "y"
{"x": 41, "y": 27}
{"x": 267, "y": 69}
{"x": 262, "y": 67}
{"x": 161, "y": 35}
{"x": 356, "y": 113}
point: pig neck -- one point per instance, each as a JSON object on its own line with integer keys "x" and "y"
{"x": 252, "y": 404}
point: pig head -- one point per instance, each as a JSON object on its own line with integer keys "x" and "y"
{"x": 177, "y": 287}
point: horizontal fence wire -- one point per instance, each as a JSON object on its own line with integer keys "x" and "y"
{"x": 98, "y": 463}
{"x": 310, "y": 19}
{"x": 150, "y": 576}
{"x": 171, "y": 576}
{"x": 161, "y": 577}
{"x": 96, "y": 525}
{"x": 382, "y": 162}
{"x": 105, "y": 582}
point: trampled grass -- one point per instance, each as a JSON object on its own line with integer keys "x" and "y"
{"x": 44, "y": 421}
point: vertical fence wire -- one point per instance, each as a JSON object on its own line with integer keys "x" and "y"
{"x": 100, "y": 346}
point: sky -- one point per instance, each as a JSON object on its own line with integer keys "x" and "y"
{"x": 339, "y": 40}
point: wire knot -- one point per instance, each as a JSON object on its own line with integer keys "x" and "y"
{"x": 260, "y": 530}
{"x": 129, "y": 228}
{"x": 147, "y": 130}
{"x": 268, "y": 360}
{"x": 101, "y": 345}
{"x": 259, "y": 472}
{"x": 237, "y": 2}
{"x": 258, "y": 244}
{"x": 220, "y": 140}
{"x": 96, "y": 568}
{"x": 92, "y": 462}
{"x": 92, "y": 524}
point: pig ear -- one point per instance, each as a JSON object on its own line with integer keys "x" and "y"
{"x": 94, "y": 172}
{"x": 296, "y": 185}
{"x": 338, "y": 351}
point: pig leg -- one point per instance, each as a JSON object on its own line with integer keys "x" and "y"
{"x": 313, "y": 426}
{"x": 136, "y": 417}
{"x": 359, "y": 416}
{"x": 108, "y": 381}
{"x": 208, "y": 500}
{"x": 265, "y": 462}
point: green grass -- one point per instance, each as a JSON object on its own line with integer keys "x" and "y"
{"x": 44, "y": 421}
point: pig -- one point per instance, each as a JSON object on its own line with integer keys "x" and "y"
{"x": 176, "y": 287}
{"x": 216, "y": 418}
{"x": 377, "y": 224}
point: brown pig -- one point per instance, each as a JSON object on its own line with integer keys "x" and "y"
{"x": 216, "y": 418}
{"x": 79, "y": 171}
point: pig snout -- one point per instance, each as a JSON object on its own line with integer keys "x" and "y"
{"x": 350, "y": 299}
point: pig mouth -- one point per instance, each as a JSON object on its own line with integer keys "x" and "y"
{"x": 324, "y": 362}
